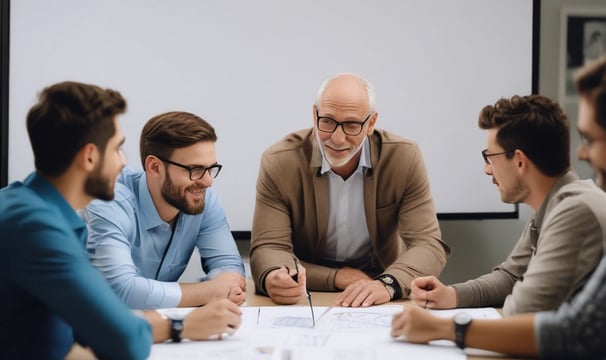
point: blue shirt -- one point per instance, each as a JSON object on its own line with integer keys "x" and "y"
{"x": 51, "y": 293}
{"x": 128, "y": 239}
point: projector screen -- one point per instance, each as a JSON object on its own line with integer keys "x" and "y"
{"x": 252, "y": 69}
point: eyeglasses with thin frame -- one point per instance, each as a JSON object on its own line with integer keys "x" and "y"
{"x": 196, "y": 172}
{"x": 330, "y": 125}
{"x": 486, "y": 156}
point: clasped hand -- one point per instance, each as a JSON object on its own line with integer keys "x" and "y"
{"x": 282, "y": 287}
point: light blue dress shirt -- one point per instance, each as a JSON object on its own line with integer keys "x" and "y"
{"x": 128, "y": 239}
{"x": 51, "y": 295}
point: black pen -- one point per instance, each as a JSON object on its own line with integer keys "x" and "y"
{"x": 295, "y": 277}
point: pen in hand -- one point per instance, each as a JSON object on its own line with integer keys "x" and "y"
{"x": 295, "y": 277}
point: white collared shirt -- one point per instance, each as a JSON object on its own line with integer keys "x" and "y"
{"x": 347, "y": 235}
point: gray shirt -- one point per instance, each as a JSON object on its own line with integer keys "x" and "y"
{"x": 554, "y": 256}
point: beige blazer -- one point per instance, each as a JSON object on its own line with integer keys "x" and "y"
{"x": 291, "y": 212}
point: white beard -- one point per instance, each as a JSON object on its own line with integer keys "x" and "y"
{"x": 336, "y": 163}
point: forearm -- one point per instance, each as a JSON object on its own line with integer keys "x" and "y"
{"x": 422, "y": 258}
{"x": 320, "y": 278}
{"x": 487, "y": 290}
{"x": 195, "y": 294}
{"x": 160, "y": 325}
{"x": 513, "y": 335}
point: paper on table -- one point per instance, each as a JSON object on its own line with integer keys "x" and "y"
{"x": 280, "y": 333}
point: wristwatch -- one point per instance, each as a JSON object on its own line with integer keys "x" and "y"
{"x": 461, "y": 321}
{"x": 388, "y": 281}
{"x": 176, "y": 328}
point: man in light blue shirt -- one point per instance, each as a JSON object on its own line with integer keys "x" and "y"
{"x": 142, "y": 240}
{"x": 52, "y": 296}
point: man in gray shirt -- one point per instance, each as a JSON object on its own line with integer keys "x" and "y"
{"x": 528, "y": 159}
{"x": 578, "y": 328}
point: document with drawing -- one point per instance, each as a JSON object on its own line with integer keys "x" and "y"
{"x": 287, "y": 333}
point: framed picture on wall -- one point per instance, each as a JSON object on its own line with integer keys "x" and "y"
{"x": 582, "y": 40}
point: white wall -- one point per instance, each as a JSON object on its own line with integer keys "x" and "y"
{"x": 252, "y": 70}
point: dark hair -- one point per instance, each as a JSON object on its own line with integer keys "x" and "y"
{"x": 591, "y": 85}
{"x": 166, "y": 132}
{"x": 68, "y": 116}
{"x": 534, "y": 124}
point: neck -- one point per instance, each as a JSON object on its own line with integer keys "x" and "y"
{"x": 346, "y": 170}
{"x": 167, "y": 213}
{"x": 71, "y": 186}
{"x": 541, "y": 187}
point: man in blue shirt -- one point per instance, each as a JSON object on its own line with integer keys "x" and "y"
{"x": 142, "y": 240}
{"x": 51, "y": 294}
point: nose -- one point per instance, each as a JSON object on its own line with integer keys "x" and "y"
{"x": 338, "y": 136}
{"x": 206, "y": 180}
{"x": 488, "y": 169}
{"x": 582, "y": 152}
{"x": 123, "y": 158}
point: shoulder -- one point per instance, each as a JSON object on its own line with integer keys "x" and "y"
{"x": 394, "y": 155}
{"x": 129, "y": 179}
{"x": 19, "y": 203}
{"x": 387, "y": 138}
{"x": 582, "y": 192}
{"x": 30, "y": 222}
{"x": 578, "y": 205}
{"x": 389, "y": 145}
{"x": 292, "y": 142}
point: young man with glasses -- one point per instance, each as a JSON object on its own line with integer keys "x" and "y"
{"x": 51, "y": 294}
{"x": 528, "y": 158}
{"x": 142, "y": 240}
{"x": 578, "y": 328}
{"x": 351, "y": 202}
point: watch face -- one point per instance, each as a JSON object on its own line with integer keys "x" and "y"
{"x": 462, "y": 318}
{"x": 178, "y": 325}
{"x": 387, "y": 280}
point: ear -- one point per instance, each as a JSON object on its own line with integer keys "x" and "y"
{"x": 522, "y": 161}
{"x": 152, "y": 166}
{"x": 87, "y": 157}
{"x": 371, "y": 123}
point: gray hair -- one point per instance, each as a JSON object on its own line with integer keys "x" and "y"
{"x": 370, "y": 90}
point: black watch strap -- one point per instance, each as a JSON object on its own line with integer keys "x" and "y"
{"x": 176, "y": 328}
{"x": 461, "y": 321}
{"x": 390, "y": 280}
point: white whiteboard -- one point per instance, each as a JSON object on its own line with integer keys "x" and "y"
{"x": 252, "y": 68}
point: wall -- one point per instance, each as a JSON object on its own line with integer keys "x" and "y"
{"x": 479, "y": 245}
{"x": 255, "y": 77}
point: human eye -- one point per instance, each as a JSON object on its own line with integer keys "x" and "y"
{"x": 327, "y": 121}
{"x": 197, "y": 171}
{"x": 352, "y": 126}
{"x": 586, "y": 141}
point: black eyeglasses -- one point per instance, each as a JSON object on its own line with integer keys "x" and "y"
{"x": 330, "y": 125}
{"x": 196, "y": 172}
{"x": 486, "y": 155}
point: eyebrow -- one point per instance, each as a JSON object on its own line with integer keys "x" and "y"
{"x": 201, "y": 166}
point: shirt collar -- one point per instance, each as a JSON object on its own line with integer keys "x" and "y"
{"x": 146, "y": 208}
